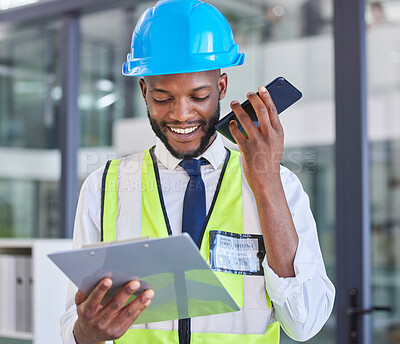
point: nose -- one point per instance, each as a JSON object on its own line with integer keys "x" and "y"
{"x": 182, "y": 110}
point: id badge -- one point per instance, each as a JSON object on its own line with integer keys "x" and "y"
{"x": 240, "y": 254}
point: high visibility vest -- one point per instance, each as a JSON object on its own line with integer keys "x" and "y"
{"x": 255, "y": 322}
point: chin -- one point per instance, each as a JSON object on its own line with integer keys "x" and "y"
{"x": 184, "y": 153}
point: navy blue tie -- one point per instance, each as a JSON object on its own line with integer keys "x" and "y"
{"x": 194, "y": 203}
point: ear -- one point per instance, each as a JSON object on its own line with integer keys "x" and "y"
{"x": 143, "y": 87}
{"x": 222, "y": 85}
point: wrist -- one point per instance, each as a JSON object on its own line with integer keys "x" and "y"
{"x": 78, "y": 335}
{"x": 79, "y": 338}
{"x": 270, "y": 186}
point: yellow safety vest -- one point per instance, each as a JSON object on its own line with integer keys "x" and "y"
{"x": 255, "y": 320}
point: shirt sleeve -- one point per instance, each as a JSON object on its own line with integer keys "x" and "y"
{"x": 303, "y": 303}
{"x": 86, "y": 230}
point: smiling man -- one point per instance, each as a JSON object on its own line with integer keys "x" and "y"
{"x": 184, "y": 108}
{"x": 218, "y": 196}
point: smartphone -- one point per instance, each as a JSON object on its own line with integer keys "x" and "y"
{"x": 283, "y": 94}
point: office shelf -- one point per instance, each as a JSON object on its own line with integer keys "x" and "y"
{"x": 17, "y": 335}
{"x": 49, "y": 288}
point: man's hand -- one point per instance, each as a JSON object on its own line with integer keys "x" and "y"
{"x": 97, "y": 323}
{"x": 261, "y": 150}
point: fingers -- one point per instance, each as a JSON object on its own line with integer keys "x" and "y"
{"x": 236, "y": 133}
{"x": 244, "y": 120}
{"x": 115, "y": 326}
{"x": 131, "y": 311}
{"x": 97, "y": 323}
{"x": 119, "y": 300}
{"x": 261, "y": 108}
{"x": 97, "y": 294}
{"x": 272, "y": 113}
{"x": 88, "y": 307}
{"x": 128, "y": 315}
{"x": 266, "y": 113}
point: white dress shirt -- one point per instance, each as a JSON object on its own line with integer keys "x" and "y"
{"x": 302, "y": 304}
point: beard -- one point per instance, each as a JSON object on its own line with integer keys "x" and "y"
{"x": 207, "y": 127}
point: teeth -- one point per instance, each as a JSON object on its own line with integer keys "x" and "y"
{"x": 184, "y": 131}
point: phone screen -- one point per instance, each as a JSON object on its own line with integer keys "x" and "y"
{"x": 283, "y": 94}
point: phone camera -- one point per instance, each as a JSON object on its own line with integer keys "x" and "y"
{"x": 279, "y": 84}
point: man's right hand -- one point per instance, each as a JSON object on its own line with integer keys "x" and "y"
{"x": 97, "y": 323}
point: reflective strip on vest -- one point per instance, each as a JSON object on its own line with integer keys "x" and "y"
{"x": 255, "y": 322}
{"x": 152, "y": 223}
{"x": 110, "y": 207}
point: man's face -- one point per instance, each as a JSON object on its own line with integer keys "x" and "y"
{"x": 184, "y": 108}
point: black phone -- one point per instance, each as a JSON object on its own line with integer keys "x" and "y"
{"x": 283, "y": 94}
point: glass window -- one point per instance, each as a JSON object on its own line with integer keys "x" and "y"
{"x": 29, "y": 103}
{"x": 383, "y": 57}
{"x": 29, "y": 87}
{"x": 102, "y": 99}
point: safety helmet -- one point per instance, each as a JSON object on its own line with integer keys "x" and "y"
{"x": 181, "y": 36}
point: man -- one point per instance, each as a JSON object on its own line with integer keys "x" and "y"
{"x": 178, "y": 48}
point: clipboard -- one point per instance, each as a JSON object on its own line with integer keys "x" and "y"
{"x": 183, "y": 282}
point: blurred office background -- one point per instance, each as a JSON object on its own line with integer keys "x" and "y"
{"x": 294, "y": 39}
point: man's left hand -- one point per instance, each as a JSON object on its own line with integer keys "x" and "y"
{"x": 261, "y": 149}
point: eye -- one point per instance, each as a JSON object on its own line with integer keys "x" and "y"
{"x": 160, "y": 101}
{"x": 199, "y": 99}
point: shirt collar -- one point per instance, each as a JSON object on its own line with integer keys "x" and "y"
{"x": 215, "y": 154}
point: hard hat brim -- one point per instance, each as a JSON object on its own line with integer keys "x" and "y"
{"x": 199, "y": 64}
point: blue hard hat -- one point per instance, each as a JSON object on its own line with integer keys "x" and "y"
{"x": 181, "y": 36}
